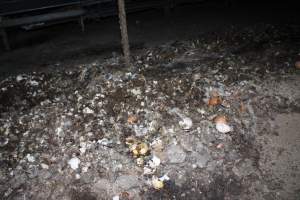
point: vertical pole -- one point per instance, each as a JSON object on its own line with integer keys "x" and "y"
{"x": 4, "y": 36}
{"x": 81, "y": 22}
{"x": 124, "y": 33}
{"x": 168, "y": 7}
{"x": 5, "y": 39}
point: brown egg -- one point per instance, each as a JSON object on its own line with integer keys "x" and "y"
{"x": 297, "y": 65}
{"x": 132, "y": 119}
{"x": 220, "y": 119}
{"x": 213, "y": 101}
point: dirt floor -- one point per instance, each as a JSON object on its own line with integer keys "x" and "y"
{"x": 212, "y": 115}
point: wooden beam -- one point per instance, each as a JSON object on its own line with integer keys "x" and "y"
{"x": 41, "y": 18}
{"x": 124, "y": 33}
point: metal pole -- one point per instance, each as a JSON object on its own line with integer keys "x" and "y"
{"x": 124, "y": 33}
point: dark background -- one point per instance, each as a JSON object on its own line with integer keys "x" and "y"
{"x": 65, "y": 44}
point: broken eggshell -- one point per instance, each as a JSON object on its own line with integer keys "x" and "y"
{"x": 154, "y": 162}
{"x": 148, "y": 171}
{"x": 136, "y": 147}
{"x": 74, "y": 163}
{"x": 186, "y": 123}
{"x": 140, "y": 161}
{"x": 157, "y": 145}
{"x": 164, "y": 178}
{"x": 222, "y": 124}
{"x": 143, "y": 148}
{"x": 156, "y": 183}
{"x": 223, "y": 128}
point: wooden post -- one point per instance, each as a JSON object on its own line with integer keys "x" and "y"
{"x": 81, "y": 22}
{"x": 5, "y": 39}
{"x": 3, "y": 34}
{"x": 124, "y": 33}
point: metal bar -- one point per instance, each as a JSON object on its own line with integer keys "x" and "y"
{"x": 41, "y": 18}
{"x": 3, "y": 13}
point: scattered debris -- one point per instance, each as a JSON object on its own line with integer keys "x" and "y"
{"x": 115, "y": 133}
{"x": 164, "y": 178}
{"x": 140, "y": 161}
{"x": 74, "y": 163}
{"x": 157, "y": 145}
{"x": 87, "y": 110}
{"x": 30, "y": 158}
{"x": 136, "y": 147}
{"x": 185, "y": 123}
{"x": 20, "y": 78}
{"x": 154, "y": 162}
{"x": 44, "y": 166}
{"x": 157, "y": 183}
